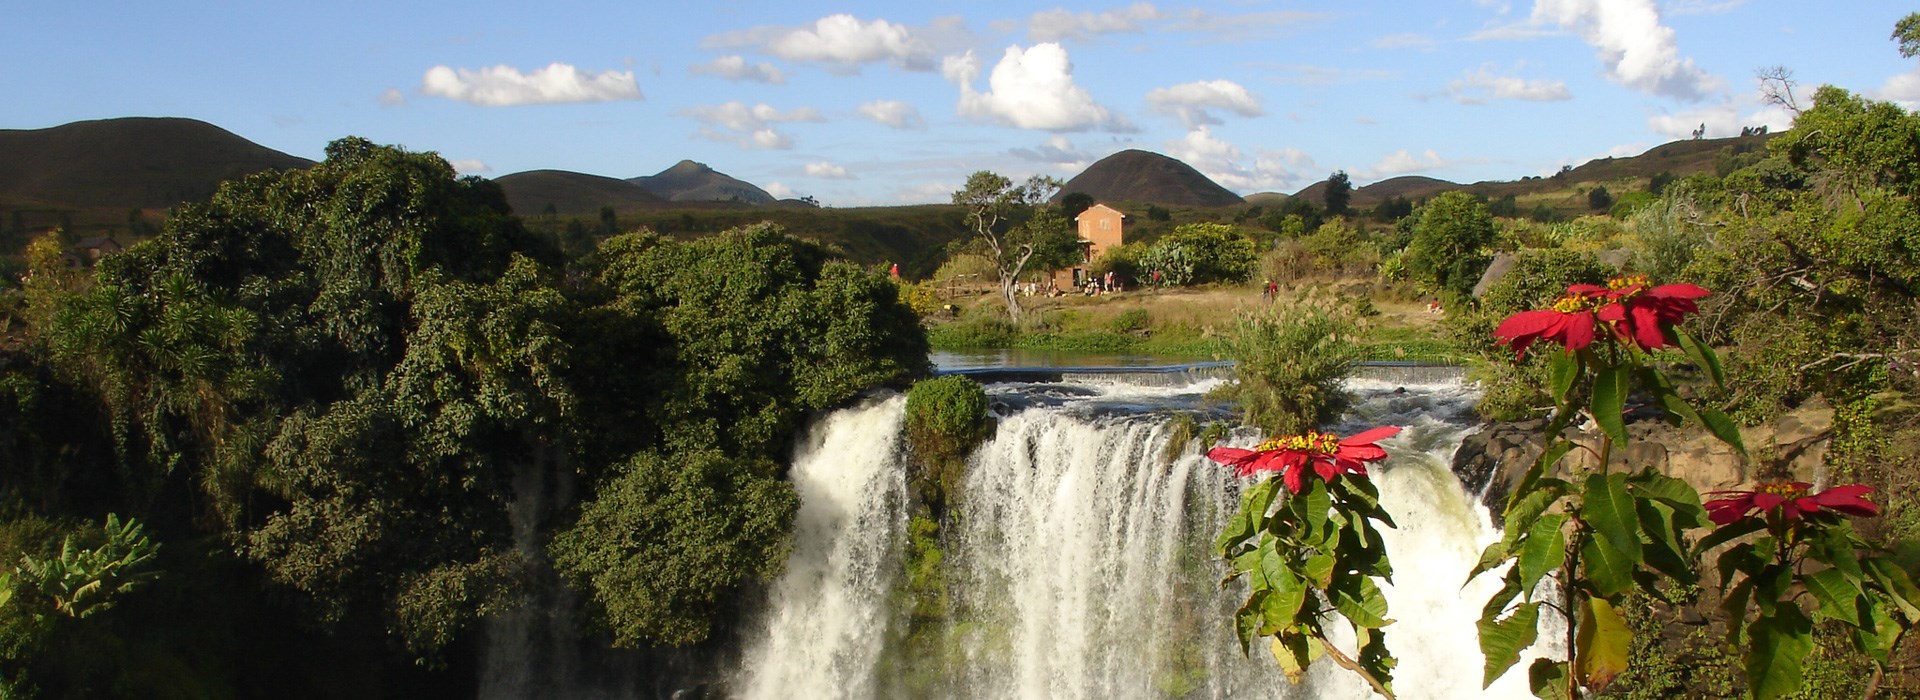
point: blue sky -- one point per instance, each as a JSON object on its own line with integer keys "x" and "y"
{"x": 876, "y": 103}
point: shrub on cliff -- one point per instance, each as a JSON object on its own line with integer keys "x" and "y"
{"x": 946, "y": 419}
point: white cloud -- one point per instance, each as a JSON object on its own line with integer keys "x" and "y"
{"x": 1401, "y": 162}
{"x": 1638, "y": 50}
{"x": 501, "y": 86}
{"x": 1058, "y": 24}
{"x": 393, "y": 97}
{"x": 1253, "y": 26}
{"x": 840, "y": 41}
{"x": 894, "y": 113}
{"x": 1483, "y": 85}
{"x": 1404, "y": 41}
{"x": 1301, "y": 74}
{"x": 1224, "y": 163}
{"x": 1057, "y": 151}
{"x": 469, "y": 167}
{"x": 1902, "y": 89}
{"x": 1030, "y": 88}
{"x": 936, "y": 191}
{"x": 1724, "y": 118}
{"x": 736, "y": 68}
{"x": 779, "y": 190}
{"x": 1510, "y": 31}
{"x": 828, "y": 171}
{"x": 1190, "y": 101}
{"x": 749, "y": 127}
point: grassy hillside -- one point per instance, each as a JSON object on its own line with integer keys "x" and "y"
{"x": 572, "y": 194}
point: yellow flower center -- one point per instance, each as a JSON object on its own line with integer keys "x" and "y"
{"x": 1313, "y": 441}
{"x": 1639, "y": 283}
{"x": 1787, "y": 489}
{"x": 1573, "y": 303}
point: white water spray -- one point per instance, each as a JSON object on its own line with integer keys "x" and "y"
{"x": 1081, "y": 562}
{"x": 829, "y": 614}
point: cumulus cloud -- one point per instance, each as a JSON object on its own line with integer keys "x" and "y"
{"x": 1401, "y": 162}
{"x": 393, "y": 97}
{"x": 1483, "y": 85}
{"x": 779, "y": 190}
{"x": 470, "y": 167}
{"x": 828, "y": 171}
{"x": 1057, "y": 151}
{"x": 1058, "y": 24}
{"x": 736, "y": 68}
{"x": 1190, "y": 101}
{"x": 1224, "y": 163}
{"x": 894, "y": 113}
{"x": 1902, "y": 89}
{"x": 749, "y": 127}
{"x": 501, "y": 86}
{"x": 1029, "y": 88}
{"x": 1638, "y": 50}
{"x": 842, "y": 42}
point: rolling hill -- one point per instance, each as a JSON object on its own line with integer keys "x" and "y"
{"x": 1147, "y": 177}
{"x": 572, "y": 194}
{"x": 688, "y": 181}
{"x": 128, "y": 163}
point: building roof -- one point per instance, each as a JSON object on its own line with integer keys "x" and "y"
{"x": 1076, "y": 217}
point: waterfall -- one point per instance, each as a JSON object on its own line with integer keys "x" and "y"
{"x": 1080, "y": 562}
{"x": 828, "y": 624}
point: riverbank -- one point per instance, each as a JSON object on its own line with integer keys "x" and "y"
{"x": 1175, "y": 323}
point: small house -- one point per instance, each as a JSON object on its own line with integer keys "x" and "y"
{"x": 1101, "y": 228}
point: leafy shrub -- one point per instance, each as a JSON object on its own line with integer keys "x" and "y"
{"x": 978, "y": 332}
{"x": 1293, "y": 356}
{"x": 946, "y": 418}
{"x": 1200, "y": 253}
{"x": 1132, "y": 320}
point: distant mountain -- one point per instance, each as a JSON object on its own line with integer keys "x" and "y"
{"x": 133, "y": 162}
{"x": 1412, "y": 187}
{"x": 1148, "y": 178}
{"x": 571, "y": 193}
{"x": 688, "y": 181}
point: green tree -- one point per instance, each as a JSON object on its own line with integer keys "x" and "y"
{"x": 1073, "y": 203}
{"x": 1451, "y": 235}
{"x": 1906, "y": 33}
{"x": 1338, "y": 194}
{"x": 1204, "y": 252}
{"x": 1598, "y": 199}
{"x": 702, "y": 360}
{"x": 994, "y": 203}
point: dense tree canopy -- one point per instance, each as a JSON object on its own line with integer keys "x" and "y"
{"x": 349, "y": 376}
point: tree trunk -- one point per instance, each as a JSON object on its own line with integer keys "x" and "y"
{"x": 1010, "y": 293}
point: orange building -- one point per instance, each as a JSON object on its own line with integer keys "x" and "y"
{"x": 1101, "y": 228}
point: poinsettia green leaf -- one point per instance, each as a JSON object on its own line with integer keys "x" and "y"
{"x": 1779, "y": 645}
{"x": 1610, "y": 387}
{"x": 1608, "y": 509}
{"x": 1502, "y": 639}
{"x": 1545, "y": 550}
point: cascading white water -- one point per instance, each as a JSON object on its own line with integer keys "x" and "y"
{"x": 1081, "y": 559}
{"x": 828, "y": 624}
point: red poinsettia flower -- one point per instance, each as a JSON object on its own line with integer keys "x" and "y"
{"x": 1792, "y": 499}
{"x": 1324, "y": 454}
{"x": 1570, "y": 322}
{"x": 1642, "y": 312}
